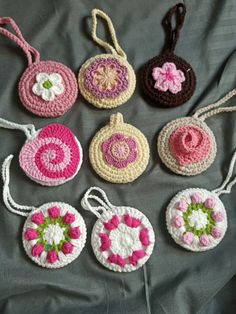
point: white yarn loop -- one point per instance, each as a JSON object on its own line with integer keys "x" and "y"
{"x": 105, "y": 204}
{"x": 28, "y": 129}
{"x": 11, "y": 205}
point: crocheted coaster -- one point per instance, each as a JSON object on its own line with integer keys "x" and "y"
{"x": 196, "y": 219}
{"x": 119, "y": 152}
{"x": 54, "y": 235}
{"x": 106, "y": 80}
{"x": 169, "y": 80}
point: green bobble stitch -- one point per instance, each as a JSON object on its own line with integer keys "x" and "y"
{"x": 47, "y": 84}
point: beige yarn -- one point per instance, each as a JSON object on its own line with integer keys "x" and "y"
{"x": 109, "y": 172}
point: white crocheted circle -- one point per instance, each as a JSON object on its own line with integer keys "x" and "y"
{"x": 168, "y": 158}
{"x": 192, "y": 224}
{"x": 54, "y": 234}
{"x": 123, "y": 239}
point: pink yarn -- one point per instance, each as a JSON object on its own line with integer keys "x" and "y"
{"x": 218, "y": 216}
{"x": 105, "y": 242}
{"x": 68, "y": 218}
{"x": 37, "y": 250}
{"x": 30, "y": 234}
{"x": 131, "y": 221}
{"x": 178, "y": 221}
{"x": 182, "y": 205}
{"x": 189, "y": 144}
{"x": 210, "y": 202}
{"x": 188, "y": 238}
{"x": 144, "y": 237}
{"x": 74, "y": 233}
{"x": 112, "y": 223}
{"x": 204, "y": 240}
{"x": 52, "y": 257}
{"x": 38, "y": 218}
{"x": 133, "y": 259}
{"x": 54, "y": 212}
{"x": 117, "y": 259}
{"x": 216, "y": 232}
{"x": 196, "y": 198}
{"x": 67, "y": 248}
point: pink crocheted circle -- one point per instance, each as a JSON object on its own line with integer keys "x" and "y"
{"x": 53, "y": 157}
{"x": 63, "y": 99}
{"x": 189, "y": 144}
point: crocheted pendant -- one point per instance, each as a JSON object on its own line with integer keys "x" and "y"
{"x": 122, "y": 237}
{"x": 168, "y": 79}
{"x": 106, "y": 80}
{"x": 119, "y": 152}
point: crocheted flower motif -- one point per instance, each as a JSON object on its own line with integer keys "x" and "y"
{"x": 48, "y": 86}
{"x": 168, "y": 78}
{"x": 106, "y": 78}
{"x": 119, "y": 150}
{"x": 189, "y": 144}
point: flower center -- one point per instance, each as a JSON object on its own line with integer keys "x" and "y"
{"x": 47, "y": 84}
{"x": 198, "y": 219}
{"x": 120, "y": 150}
{"x": 53, "y": 234}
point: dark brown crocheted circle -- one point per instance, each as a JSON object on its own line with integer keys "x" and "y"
{"x": 167, "y": 99}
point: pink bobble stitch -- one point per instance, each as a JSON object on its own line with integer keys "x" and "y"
{"x": 74, "y": 233}
{"x": 37, "y": 250}
{"x": 117, "y": 259}
{"x": 133, "y": 259}
{"x": 54, "y": 212}
{"x": 196, "y": 198}
{"x": 30, "y": 234}
{"x": 131, "y": 221}
{"x": 182, "y": 205}
{"x": 216, "y": 232}
{"x": 178, "y": 221}
{"x": 188, "y": 238}
{"x": 105, "y": 242}
{"x": 218, "y": 216}
{"x": 52, "y": 257}
{"x": 69, "y": 218}
{"x": 144, "y": 237}
{"x": 210, "y": 202}
{"x": 112, "y": 223}
{"x": 67, "y": 248}
{"x": 204, "y": 240}
{"x": 38, "y": 218}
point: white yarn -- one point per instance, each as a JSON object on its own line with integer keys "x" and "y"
{"x": 28, "y": 129}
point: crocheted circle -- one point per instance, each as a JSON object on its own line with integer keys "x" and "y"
{"x": 168, "y": 80}
{"x": 53, "y": 157}
{"x": 106, "y": 81}
{"x": 123, "y": 239}
{"x": 196, "y": 219}
{"x": 54, "y": 235}
{"x": 119, "y": 152}
{"x": 187, "y": 146}
{"x": 48, "y": 88}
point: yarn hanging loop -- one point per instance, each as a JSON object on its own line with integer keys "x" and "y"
{"x": 114, "y": 50}
{"x": 28, "y": 129}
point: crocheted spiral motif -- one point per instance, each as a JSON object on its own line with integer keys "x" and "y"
{"x": 53, "y": 157}
{"x": 168, "y": 80}
{"x": 119, "y": 152}
{"x": 48, "y": 88}
{"x": 187, "y": 146}
{"x": 196, "y": 219}
{"x": 106, "y": 81}
{"x": 123, "y": 239}
{"x": 54, "y": 235}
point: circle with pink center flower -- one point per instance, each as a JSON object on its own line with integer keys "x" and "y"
{"x": 54, "y": 235}
{"x": 196, "y": 219}
{"x": 123, "y": 239}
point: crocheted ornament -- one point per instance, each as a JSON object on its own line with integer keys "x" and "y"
{"x": 119, "y": 152}
{"x": 106, "y": 80}
{"x": 122, "y": 237}
{"x": 187, "y": 146}
{"x": 196, "y": 218}
{"x": 54, "y": 234}
{"x": 51, "y": 156}
{"x": 46, "y": 88}
{"x": 167, "y": 79}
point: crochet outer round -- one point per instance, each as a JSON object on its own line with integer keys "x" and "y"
{"x": 185, "y": 194}
{"x": 35, "y": 104}
{"x": 167, "y": 99}
{"x": 98, "y": 227}
{"x": 82, "y": 240}
{"x": 167, "y": 157}
{"x": 109, "y": 172}
{"x": 107, "y": 103}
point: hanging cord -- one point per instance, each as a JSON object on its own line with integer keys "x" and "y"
{"x": 11, "y": 205}
{"x": 28, "y": 129}
{"x": 117, "y": 49}
{"x": 105, "y": 204}
{"x": 179, "y": 11}
{"x": 19, "y": 39}
{"x": 211, "y": 110}
{"x": 226, "y": 186}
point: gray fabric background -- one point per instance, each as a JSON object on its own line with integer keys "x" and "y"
{"x": 174, "y": 281}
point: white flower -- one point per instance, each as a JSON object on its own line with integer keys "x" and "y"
{"x": 54, "y": 234}
{"x": 48, "y": 86}
{"x": 198, "y": 218}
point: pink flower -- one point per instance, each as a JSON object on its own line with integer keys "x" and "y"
{"x": 67, "y": 248}
{"x": 131, "y": 221}
{"x": 182, "y": 205}
{"x": 38, "y": 218}
{"x": 69, "y": 218}
{"x": 105, "y": 242}
{"x": 54, "y": 212}
{"x": 188, "y": 238}
{"x": 218, "y": 216}
{"x": 196, "y": 198}
{"x": 116, "y": 259}
{"x": 119, "y": 150}
{"x": 37, "y": 250}
{"x": 210, "y": 202}
{"x": 204, "y": 240}
{"x": 113, "y": 223}
{"x": 31, "y": 234}
{"x": 216, "y": 232}
{"x": 178, "y": 221}
{"x": 168, "y": 78}
{"x": 74, "y": 233}
{"x": 52, "y": 256}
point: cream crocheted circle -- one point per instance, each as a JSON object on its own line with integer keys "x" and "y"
{"x": 177, "y": 233}
{"x": 107, "y": 102}
{"x": 108, "y": 171}
{"x": 168, "y": 158}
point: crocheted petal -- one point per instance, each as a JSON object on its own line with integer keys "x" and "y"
{"x": 175, "y": 87}
{"x": 121, "y": 163}
{"x": 37, "y": 89}
{"x": 169, "y": 66}
{"x": 55, "y": 78}
{"x": 117, "y": 136}
{"x": 132, "y": 156}
{"x": 106, "y": 145}
{"x": 131, "y": 142}
{"x": 42, "y": 77}
{"x": 156, "y": 72}
{"x": 57, "y": 88}
{"x": 180, "y": 76}
{"x": 162, "y": 85}
{"x": 48, "y": 95}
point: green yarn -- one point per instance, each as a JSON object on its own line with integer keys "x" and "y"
{"x": 47, "y": 84}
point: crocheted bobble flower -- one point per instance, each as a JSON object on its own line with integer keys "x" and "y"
{"x": 106, "y": 78}
{"x": 119, "y": 150}
{"x": 168, "y": 77}
{"x": 48, "y": 86}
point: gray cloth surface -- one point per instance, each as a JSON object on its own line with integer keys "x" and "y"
{"x": 173, "y": 281}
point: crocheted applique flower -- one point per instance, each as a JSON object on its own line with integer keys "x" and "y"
{"x": 48, "y": 86}
{"x": 168, "y": 77}
{"x": 106, "y": 78}
{"x": 119, "y": 150}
